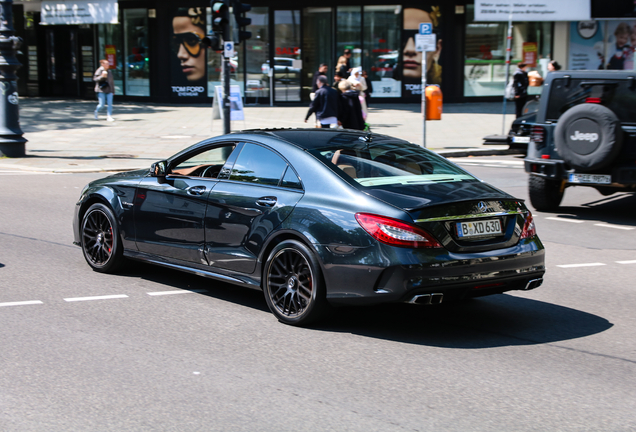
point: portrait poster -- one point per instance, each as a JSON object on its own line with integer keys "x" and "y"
{"x": 602, "y": 45}
{"x": 188, "y": 63}
{"x": 410, "y": 68}
{"x": 620, "y": 44}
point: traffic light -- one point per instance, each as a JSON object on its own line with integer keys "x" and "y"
{"x": 242, "y": 21}
{"x": 213, "y": 41}
{"x": 220, "y": 17}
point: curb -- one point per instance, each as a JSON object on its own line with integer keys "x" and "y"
{"x": 445, "y": 153}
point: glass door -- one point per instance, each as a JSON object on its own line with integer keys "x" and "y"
{"x": 316, "y": 45}
{"x": 287, "y": 56}
{"x": 136, "y": 52}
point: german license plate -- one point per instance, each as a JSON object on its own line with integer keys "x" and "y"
{"x": 481, "y": 228}
{"x": 590, "y": 178}
{"x": 521, "y": 139}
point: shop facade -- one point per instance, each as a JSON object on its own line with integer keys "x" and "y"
{"x": 289, "y": 39}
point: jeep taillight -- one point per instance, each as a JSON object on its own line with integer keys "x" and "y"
{"x": 538, "y": 134}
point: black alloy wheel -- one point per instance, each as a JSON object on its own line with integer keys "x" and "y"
{"x": 100, "y": 239}
{"x": 293, "y": 285}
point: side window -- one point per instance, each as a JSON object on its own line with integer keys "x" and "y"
{"x": 258, "y": 165}
{"x": 291, "y": 180}
{"x": 207, "y": 163}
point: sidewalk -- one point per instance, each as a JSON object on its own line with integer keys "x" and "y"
{"x": 63, "y": 136}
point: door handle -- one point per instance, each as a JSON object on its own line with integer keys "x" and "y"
{"x": 195, "y": 190}
{"x": 267, "y": 201}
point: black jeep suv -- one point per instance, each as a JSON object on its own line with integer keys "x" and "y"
{"x": 584, "y": 135}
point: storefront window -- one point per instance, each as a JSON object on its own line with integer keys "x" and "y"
{"x": 317, "y": 40}
{"x": 110, "y": 48}
{"x": 349, "y": 33}
{"x": 287, "y": 63}
{"x": 136, "y": 48}
{"x": 381, "y": 49}
{"x": 485, "y": 48}
{"x": 257, "y": 55}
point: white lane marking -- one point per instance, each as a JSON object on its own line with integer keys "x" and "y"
{"x": 22, "y": 303}
{"x": 580, "y": 265}
{"x": 614, "y": 226}
{"x": 160, "y": 293}
{"x": 106, "y": 297}
{"x": 627, "y": 262}
{"x": 565, "y": 220}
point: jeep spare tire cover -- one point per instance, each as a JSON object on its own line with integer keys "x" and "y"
{"x": 588, "y": 136}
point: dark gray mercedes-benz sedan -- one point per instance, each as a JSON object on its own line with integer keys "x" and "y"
{"x": 315, "y": 218}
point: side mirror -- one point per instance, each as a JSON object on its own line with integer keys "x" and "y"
{"x": 158, "y": 169}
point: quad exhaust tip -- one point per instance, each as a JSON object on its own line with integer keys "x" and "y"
{"x": 427, "y": 299}
{"x": 534, "y": 283}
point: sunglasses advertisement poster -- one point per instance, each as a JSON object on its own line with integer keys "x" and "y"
{"x": 189, "y": 54}
{"x": 410, "y": 69}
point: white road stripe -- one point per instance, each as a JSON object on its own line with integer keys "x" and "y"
{"x": 627, "y": 262}
{"x": 565, "y": 220}
{"x": 580, "y": 265}
{"x": 22, "y": 303}
{"x": 614, "y": 226}
{"x": 106, "y": 297}
{"x": 160, "y": 293}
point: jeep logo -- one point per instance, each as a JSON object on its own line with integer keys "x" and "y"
{"x": 578, "y": 136}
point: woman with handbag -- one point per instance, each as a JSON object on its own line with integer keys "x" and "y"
{"x": 104, "y": 87}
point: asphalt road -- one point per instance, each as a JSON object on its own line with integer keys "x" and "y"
{"x": 153, "y": 349}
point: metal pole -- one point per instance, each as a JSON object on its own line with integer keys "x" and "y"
{"x": 12, "y": 143}
{"x": 508, "y": 52}
{"x": 227, "y": 36}
{"x": 424, "y": 98}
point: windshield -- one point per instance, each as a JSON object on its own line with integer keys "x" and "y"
{"x": 390, "y": 164}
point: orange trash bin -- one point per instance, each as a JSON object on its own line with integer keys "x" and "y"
{"x": 433, "y": 102}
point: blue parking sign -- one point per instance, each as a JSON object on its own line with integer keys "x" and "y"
{"x": 426, "y": 28}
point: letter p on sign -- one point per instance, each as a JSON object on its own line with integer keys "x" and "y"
{"x": 426, "y": 28}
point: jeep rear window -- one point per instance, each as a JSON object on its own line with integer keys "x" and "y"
{"x": 614, "y": 94}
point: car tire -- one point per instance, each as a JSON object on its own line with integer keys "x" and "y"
{"x": 588, "y": 137}
{"x": 293, "y": 284}
{"x": 101, "y": 242}
{"x": 545, "y": 195}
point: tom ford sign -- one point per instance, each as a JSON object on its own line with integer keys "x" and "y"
{"x": 539, "y": 10}
{"x": 79, "y": 12}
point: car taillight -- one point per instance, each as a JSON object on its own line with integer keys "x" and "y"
{"x": 529, "y": 230}
{"x": 395, "y": 232}
{"x": 538, "y": 133}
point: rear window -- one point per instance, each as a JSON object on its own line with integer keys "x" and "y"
{"x": 383, "y": 164}
{"x": 617, "y": 95}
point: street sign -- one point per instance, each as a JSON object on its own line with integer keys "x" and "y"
{"x": 426, "y": 28}
{"x": 228, "y": 49}
{"x": 425, "y": 42}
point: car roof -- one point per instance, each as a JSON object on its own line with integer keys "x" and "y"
{"x": 315, "y": 138}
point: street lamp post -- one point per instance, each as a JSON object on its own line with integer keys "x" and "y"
{"x": 12, "y": 143}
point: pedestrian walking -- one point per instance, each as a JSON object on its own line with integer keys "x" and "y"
{"x": 336, "y": 80}
{"x": 347, "y": 56}
{"x": 369, "y": 90}
{"x": 325, "y": 104}
{"x": 554, "y": 66}
{"x": 322, "y": 70}
{"x": 350, "y": 111}
{"x": 360, "y": 84}
{"x": 520, "y": 84}
{"x": 341, "y": 67}
{"x": 104, "y": 87}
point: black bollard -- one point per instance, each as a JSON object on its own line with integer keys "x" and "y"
{"x": 12, "y": 143}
